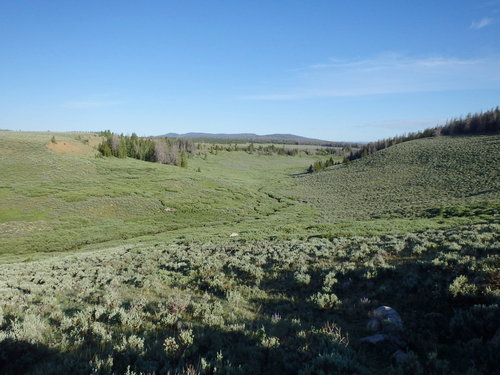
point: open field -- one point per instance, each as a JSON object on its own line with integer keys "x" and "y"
{"x": 244, "y": 264}
{"x": 61, "y": 201}
{"x": 53, "y": 202}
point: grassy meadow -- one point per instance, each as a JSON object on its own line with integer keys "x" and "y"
{"x": 52, "y": 202}
{"x": 242, "y": 263}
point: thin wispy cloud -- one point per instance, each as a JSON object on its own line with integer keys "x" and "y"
{"x": 405, "y": 124}
{"x": 483, "y": 22}
{"x": 390, "y": 73}
{"x": 392, "y": 60}
{"x": 88, "y": 104}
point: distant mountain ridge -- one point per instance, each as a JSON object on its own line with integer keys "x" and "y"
{"x": 288, "y": 138}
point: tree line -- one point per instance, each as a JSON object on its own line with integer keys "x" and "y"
{"x": 290, "y": 142}
{"x": 478, "y": 123}
{"x": 171, "y": 151}
{"x": 254, "y": 148}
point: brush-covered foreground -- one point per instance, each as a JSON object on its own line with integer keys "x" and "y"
{"x": 260, "y": 307}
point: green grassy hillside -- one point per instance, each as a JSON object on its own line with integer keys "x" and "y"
{"x": 57, "y": 201}
{"x": 59, "y": 196}
{"x": 448, "y": 176}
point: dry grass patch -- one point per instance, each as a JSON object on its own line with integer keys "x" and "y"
{"x": 71, "y": 148}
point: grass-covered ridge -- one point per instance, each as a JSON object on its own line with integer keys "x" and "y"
{"x": 419, "y": 178}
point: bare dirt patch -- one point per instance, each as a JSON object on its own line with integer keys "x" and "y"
{"x": 71, "y": 148}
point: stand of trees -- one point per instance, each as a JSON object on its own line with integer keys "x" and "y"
{"x": 162, "y": 150}
{"x": 320, "y": 165}
{"x": 478, "y": 123}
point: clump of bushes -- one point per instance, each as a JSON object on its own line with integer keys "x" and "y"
{"x": 462, "y": 287}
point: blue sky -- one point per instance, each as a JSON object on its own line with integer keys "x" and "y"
{"x": 330, "y": 69}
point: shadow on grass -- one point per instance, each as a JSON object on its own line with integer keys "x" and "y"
{"x": 289, "y": 333}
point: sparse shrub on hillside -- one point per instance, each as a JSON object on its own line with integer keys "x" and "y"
{"x": 411, "y": 180}
{"x": 462, "y": 287}
{"x": 340, "y": 361}
{"x": 329, "y": 281}
{"x": 302, "y": 277}
{"x": 325, "y": 300}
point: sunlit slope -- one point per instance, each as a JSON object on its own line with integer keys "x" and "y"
{"x": 449, "y": 176}
{"x": 60, "y": 196}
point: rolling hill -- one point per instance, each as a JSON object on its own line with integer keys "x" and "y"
{"x": 412, "y": 179}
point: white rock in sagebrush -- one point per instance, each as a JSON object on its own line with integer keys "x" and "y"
{"x": 387, "y": 318}
{"x": 390, "y": 338}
